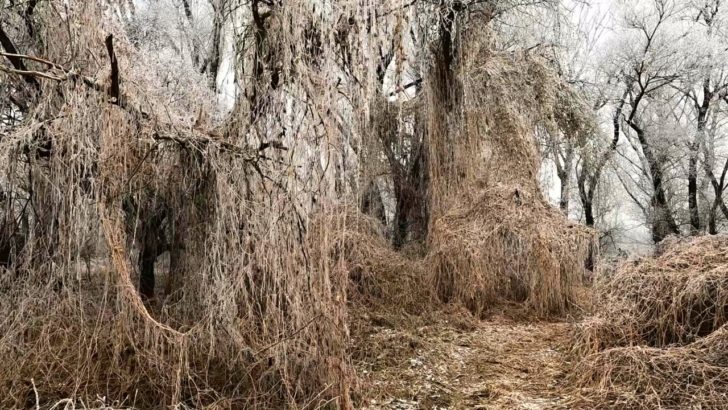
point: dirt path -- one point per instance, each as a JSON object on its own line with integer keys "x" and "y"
{"x": 456, "y": 363}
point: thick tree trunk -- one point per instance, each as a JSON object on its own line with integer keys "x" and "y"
{"x": 411, "y": 213}
{"x": 372, "y": 204}
{"x": 152, "y": 243}
{"x": 663, "y": 223}
{"x": 400, "y": 225}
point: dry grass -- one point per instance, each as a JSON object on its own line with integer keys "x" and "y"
{"x": 255, "y": 322}
{"x": 640, "y": 377}
{"x": 659, "y": 339}
{"x": 449, "y": 359}
{"x": 675, "y": 298}
{"x": 505, "y": 245}
{"x": 380, "y": 278}
{"x": 266, "y": 254}
{"x": 493, "y": 237}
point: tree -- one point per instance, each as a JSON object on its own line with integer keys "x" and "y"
{"x": 703, "y": 91}
{"x": 648, "y": 67}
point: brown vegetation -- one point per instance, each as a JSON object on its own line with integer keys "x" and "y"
{"x": 493, "y": 237}
{"x": 227, "y": 259}
{"x": 244, "y": 317}
{"x": 659, "y": 336}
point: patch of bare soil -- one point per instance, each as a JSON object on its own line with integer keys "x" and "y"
{"x": 450, "y": 360}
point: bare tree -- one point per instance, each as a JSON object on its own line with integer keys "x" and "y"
{"x": 648, "y": 69}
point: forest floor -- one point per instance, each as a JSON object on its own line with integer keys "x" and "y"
{"x": 450, "y": 360}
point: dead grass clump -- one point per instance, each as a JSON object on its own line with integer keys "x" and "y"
{"x": 491, "y": 250}
{"x": 659, "y": 339}
{"x": 380, "y": 278}
{"x": 638, "y": 377}
{"x": 73, "y": 344}
{"x": 674, "y": 298}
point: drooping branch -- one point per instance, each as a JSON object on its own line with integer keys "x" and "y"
{"x": 17, "y": 62}
{"x": 193, "y": 139}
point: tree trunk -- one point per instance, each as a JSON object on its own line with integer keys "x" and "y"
{"x": 693, "y": 191}
{"x": 151, "y": 245}
{"x": 718, "y": 188}
{"x": 372, "y": 204}
{"x": 693, "y": 160}
{"x": 663, "y": 222}
{"x": 588, "y": 212}
{"x": 563, "y": 170}
{"x": 214, "y": 58}
{"x": 175, "y": 277}
{"x": 588, "y": 183}
{"x": 411, "y": 214}
{"x": 564, "y": 200}
{"x": 712, "y": 224}
{"x": 147, "y": 258}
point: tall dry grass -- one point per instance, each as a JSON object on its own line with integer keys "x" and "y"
{"x": 493, "y": 237}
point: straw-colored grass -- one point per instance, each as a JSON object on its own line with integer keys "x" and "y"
{"x": 251, "y": 320}
{"x": 641, "y": 377}
{"x": 493, "y": 237}
{"x": 253, "y": 214}
{"x": 675, "y": 298}
{"x": 658, "y": 338}
{"x": 503, "y": 244}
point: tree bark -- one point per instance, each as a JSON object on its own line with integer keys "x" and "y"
{"x": 718, "y": 202}
{"x": 114, "y": 87}
{"x": 564, "y": 174}
{"x": 695, "y": 147}
{"x": 410, "y": 188}
{"x": 588, "y": 212}
{"x": 663, "y": 222}
{"x": 147, "y": 258}
{"x": 213, "y": 61}
{"x": 372, "y": 203}
{"x": 693, "y": 191}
